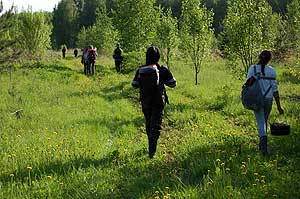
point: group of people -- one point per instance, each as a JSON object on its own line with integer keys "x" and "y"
{"x": 89, "y": 56}
{"x": 152, "y": 77}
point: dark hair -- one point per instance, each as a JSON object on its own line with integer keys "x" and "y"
{"x": 152, "y": 55}
{"x": 264, "y": 58}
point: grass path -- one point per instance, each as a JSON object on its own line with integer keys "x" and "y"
{"x": 80, "y": 137}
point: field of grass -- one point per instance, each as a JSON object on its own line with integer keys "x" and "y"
{"x": 64, "y": 135}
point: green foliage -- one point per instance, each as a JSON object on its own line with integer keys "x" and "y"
{"x": 167, "y": 35}
{"x": 6, "y": 41}
{"x": 64, "y": 24}
{"x": 293, "y": 25}
{"x": 196, "y": 32}
{"x": 102, "y": 34}
{"x": 88, "y": 14}
{"x": 34, "y": 32}
{"x": 132, "y": 60}
{"x": 249, "y": 27}
{"x": 136, "y": 21}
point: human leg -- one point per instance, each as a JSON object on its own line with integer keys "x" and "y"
{"x": 153, "y": 119}
{"x": 262, "y": 131}
{"x": 156, "y": 120}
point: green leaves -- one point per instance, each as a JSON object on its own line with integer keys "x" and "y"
{"x": 136, "y": 21}
{"x": 196, "y": 32}
{"x": 249, "y": 27}
{"x": 34, "y": 33}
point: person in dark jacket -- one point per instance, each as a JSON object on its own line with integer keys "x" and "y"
{"x": 75, "y": 52}
{"x": 152, "y": 94}
{"x": 118, "y": 57}
{"x": 64, "y": 50}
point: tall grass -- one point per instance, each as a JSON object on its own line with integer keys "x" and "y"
{"x": 64, "y": 135}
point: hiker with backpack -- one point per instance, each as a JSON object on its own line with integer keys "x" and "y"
{"x": 75, "y": 52}
{"x": 64, "y": 50}
{"x": 258, "y": 93}
{"x": 88, "y": 60}
{"x": 150, "y": 79}
{"x": 118, "y": 57}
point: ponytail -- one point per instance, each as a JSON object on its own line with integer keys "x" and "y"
{"x": 264, "y": 58}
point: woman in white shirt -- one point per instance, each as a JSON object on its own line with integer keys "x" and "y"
{"x": 262, "y": 115}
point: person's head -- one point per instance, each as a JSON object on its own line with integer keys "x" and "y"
{"x": 152, "y": 55}
{"x": 90, "y": 47}
{"x": 118, "y": 45}
{"x": 264, "y": 57}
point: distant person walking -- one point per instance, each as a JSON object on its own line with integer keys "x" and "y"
{"x": 150, "y": 79}
{"x": 269, "y": 87}
{"x": 118, "y": 57}
{"x": 88, "y": 60}
{"x": 75, "y": 52}
{"x": 64, "y": 50}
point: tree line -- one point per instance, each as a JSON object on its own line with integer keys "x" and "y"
{"x": 238, "y": 28}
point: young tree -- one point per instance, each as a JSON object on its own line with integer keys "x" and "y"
{"x": 167, "y": 34}
{"x": 102, "y": 34}
{"x": 196, "y": 32}
{"x": 34, "y": 32}
{"x": 6, "y": 41}
{"x": 136, "y": 21}
{"x": 293, "y": 21}
{"x": 249, "y": 27}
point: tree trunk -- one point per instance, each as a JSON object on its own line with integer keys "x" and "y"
{"x": 196, "y": 74}
{"x": 168, "y": 58}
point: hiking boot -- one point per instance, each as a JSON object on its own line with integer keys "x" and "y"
{"x": 152, "y": 147}
{"x": 263, "y": 145}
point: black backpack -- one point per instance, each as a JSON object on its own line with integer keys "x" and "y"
{"x": 149, "y": 81}
{"x": 91, "y": 56}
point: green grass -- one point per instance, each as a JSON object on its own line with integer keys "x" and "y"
{"x": 80, "y": 137}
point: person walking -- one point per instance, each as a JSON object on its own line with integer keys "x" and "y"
{"x": 64, "y": 50}
{"x": 75, "y": 52}
{"x": 269, "y": 87}
{"x": 150, "y": 79}
{"x": 118, "y": 57}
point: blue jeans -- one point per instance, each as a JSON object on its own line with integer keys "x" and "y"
{"x": 262, "y": 117}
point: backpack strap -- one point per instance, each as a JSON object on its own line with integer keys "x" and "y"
{"x": 267, "y": 91}
{"x": 269, "y": 78}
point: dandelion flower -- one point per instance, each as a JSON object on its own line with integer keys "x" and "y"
{"x": 29, "y": 168}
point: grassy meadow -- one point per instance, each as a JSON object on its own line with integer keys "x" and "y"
{"x": 64, "y": 135}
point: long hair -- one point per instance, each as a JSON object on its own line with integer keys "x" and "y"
{"x": 264, "y": 58}
{"x": 152, "y": 55}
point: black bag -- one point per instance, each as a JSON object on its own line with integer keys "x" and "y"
{"x": 149, "y": 81}
{"x": 279, "y": 128}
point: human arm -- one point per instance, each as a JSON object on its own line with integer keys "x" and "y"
{"x": 277, "y": 100}
{"x": 135, "y": 82}
{"x": 167, "y": 77}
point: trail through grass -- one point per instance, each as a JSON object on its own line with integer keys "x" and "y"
{"x": 80, "y": 137}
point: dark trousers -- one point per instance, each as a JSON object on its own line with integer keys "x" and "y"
{"x": 89, "y": 68}
{"x": 153, "y": 117}
{"x": 118, "y": 65}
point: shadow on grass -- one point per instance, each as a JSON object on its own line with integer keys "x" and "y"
{"x": 48, "y": 67}
{"x": 134, "y": 174}
{"x": 114, "y": 124}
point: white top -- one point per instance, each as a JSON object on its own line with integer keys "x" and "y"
{"x": 265, "y": 83}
